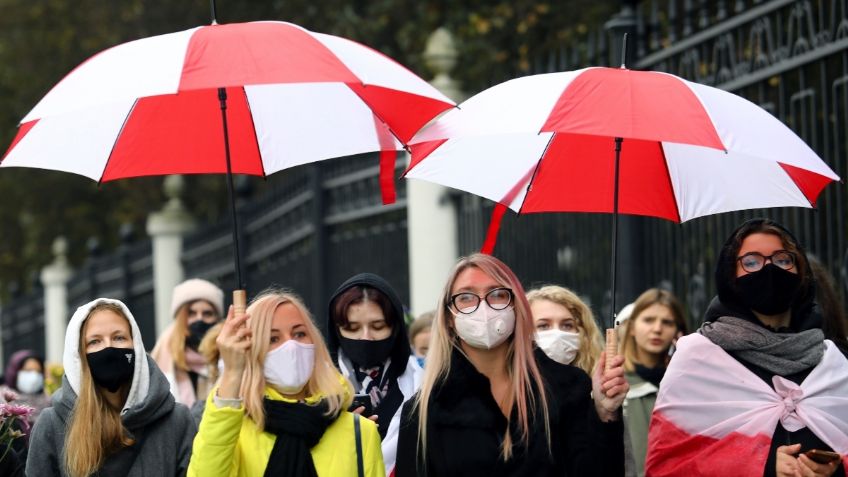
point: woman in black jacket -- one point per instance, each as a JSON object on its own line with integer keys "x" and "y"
{"x": 491, "y": 404}
{"x": 759, "y": 384}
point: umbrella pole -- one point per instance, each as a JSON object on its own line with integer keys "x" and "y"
{"x": 239, "y": 295}
{"x": 618, "y": 142}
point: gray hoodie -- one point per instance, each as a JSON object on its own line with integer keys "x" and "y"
{"x": 162, "y": 429}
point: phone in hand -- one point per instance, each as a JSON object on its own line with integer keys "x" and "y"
{"x": 822, "y": 456}
{"x": 362, "y": 400}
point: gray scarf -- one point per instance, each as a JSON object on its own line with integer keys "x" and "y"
{"x": 779, "y": 353}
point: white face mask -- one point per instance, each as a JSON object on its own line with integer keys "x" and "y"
{"x": 289, "y": 367}
{"x": 485, "y": 328}
{"x": 560, "y": 346}
{"x": 30, "y": 382}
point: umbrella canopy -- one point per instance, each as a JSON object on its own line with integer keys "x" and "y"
{"x": 151, "y": 106}
{"x": 244, "y": 98}
{"x": 616, "y": 140}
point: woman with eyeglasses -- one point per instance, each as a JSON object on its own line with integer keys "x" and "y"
{"x": 758, "y": 390}
{"x": 196, "y": 305}
{"x": 491, "y": 403}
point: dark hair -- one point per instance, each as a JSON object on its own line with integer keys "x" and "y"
{"x": 360, "y": 294}
{"x": 16, "y": 362}
{"x": 834, "y": 321}
{"x": 726, "y": 268}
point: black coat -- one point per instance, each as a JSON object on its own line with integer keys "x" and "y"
{"x": 466, "y": 427}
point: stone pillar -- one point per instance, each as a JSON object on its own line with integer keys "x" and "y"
{"x": 166, "y": 228}
{"x": 55, "y": 279}
{"x": 431, "y": 215}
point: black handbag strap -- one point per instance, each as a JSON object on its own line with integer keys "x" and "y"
{"x": 360, "y": 467}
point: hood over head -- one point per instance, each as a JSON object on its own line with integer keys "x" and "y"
{"x": 729, "y": 302}
{"x": 400, "y": 349}
{"x": 16, "y": 362}
{"x": 71, "y": 358}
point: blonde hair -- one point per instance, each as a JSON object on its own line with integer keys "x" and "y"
{"x": 95, "y": 429}
{"x": 178, "y": 337}
{"x": 522, "y": 369}
{"x": 591, "y": 344}
{"x": 325, "y": 379}
{"x": 650, "y": 297}
{"x": 209, "y": 350}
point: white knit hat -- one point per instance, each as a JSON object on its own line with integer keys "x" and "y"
{"x": 197, "y": 289}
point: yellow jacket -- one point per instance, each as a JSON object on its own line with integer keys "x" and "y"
{"x": 228, "y": 444}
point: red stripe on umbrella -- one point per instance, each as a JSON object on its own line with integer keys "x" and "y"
{"x": 249, "y": 54}
{"x": 645, "y": 105}
{"x": 188, "y": 125}
{"x": 810, "y": 183}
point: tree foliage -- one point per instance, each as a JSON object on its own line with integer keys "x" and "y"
{"x": 42, "y": 40}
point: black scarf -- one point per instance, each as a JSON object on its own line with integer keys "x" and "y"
{"x": 651, "y": 375}
{"x": 298, "y": 427}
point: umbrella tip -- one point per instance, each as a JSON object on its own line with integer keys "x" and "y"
{"x": 624, "y": 52}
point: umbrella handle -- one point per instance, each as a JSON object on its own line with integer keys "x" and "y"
{"x": 239, "y": 302}
{"x": 612, "y": 347}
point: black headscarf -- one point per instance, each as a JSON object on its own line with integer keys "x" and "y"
{"x": 729, "y": 302}
{"x": 400, "y": 351}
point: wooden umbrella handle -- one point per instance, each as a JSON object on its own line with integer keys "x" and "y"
{"x": 612, "y": 346}
{"x": 239, "y": 302}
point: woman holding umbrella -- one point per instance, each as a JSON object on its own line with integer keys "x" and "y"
{"x": 114, "y": 414}
{"x": 490, "y": 404}
{"x": 280, "y": 407}
{"x": 758, "y": 390}
{"x": 369, "y": 342}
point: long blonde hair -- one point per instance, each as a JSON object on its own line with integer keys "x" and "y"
{"x": 651, "y": 296}
{"x": 526, "y": 389}
{"x": 325, "y": 379}
{"x": 95, "y": 429}
{"x": 591, "y": 344}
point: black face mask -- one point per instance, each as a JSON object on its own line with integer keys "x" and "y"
{"x": 769, "y": 291}
{"x": 367, "y": 353}
{"x": 112, "y": 367}
{"x": 196, "y": 332}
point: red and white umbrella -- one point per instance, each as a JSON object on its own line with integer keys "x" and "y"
{"x": 247, "y": 98}
{"x": 547, "y": 143}
{"x": 150, "y": 107}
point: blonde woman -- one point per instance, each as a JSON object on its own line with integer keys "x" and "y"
{"x": 280, "y": 406}
{"x": 114, "y": 414}
{"x": 565, "y": 327}
{"x": 196, "y": 305}
{"x": 656, "y": 321}
{"x": 490, "y": 404}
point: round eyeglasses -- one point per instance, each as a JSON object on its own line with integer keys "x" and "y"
{"x": 754, "y": 261}
{"x": 467, "y": 302}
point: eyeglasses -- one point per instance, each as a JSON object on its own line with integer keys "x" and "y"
{"x": 467, "y": 302}
{"x": 755, "y": 261}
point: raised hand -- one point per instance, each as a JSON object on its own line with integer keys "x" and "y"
{"x": 233, "y": 342}
{"x": 609, "y": 388}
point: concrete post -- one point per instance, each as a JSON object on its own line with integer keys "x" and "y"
{"x": 166, "y": 228}
{"x": 55, "y": 279}
{"x": 431, "y": 215}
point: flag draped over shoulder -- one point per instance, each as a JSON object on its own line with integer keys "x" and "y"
{"x": 715, "y": 417}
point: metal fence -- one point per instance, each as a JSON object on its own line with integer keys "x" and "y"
{"x": 788, "y": 56}
{"x": 317, "y": 226}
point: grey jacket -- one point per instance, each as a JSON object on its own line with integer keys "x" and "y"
{"x": 638, "y": 407}
{"x": 163, "y": 431}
